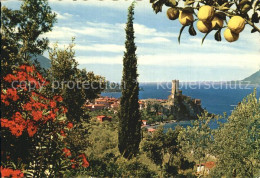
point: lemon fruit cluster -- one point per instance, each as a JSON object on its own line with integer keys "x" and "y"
{"x": 207, "y": 19}
{"x": 235, "y": 26}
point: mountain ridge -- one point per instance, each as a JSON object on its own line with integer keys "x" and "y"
{"x": 254, "y": 78}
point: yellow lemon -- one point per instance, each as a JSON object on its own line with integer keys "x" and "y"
{"x": 206, "y": 13}
{"x": 236, "y": 24}
{"x": 203, "y": 27}
{"x": 172, "y": 13}
{"x": 185, "y": 18}
{"x": 230, "y": 36}
{"x": 217, "y": 22}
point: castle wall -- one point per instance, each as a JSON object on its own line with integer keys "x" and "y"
{"x": 175, "y": 86}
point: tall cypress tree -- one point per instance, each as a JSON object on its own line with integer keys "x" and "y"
{"x": 129, "y": 131}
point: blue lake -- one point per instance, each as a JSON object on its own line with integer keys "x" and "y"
{"x": 215, "y": 98}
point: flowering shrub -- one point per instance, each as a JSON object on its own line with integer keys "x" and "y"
{"x": 6, "y": 172}
{"x": 33, "y": 127}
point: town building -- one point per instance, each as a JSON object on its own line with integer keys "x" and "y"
{"x": 204, "y": 168}
{"x": 103, "y": 118}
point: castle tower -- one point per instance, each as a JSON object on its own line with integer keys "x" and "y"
{"x": 175, "y": 86}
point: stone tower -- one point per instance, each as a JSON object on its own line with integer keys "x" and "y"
{"x": 175, "y": 86}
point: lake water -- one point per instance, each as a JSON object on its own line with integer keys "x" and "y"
{"x": 215, "y": 98}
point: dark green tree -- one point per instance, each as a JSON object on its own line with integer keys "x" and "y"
{"x": 129, "y": 131}
{"x": 21, "y": 30}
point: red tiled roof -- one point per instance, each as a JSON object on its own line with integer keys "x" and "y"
{"x": 151, "y": 130}
{"x": 99, "y": 105}
{"x": 101, "y": 100}
{"x": 209, "y": 164}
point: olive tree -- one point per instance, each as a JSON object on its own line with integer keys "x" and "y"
{"x": 236, "y": 143}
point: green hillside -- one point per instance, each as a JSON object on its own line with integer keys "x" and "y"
{"x": 44, "y": 62}
{"x": 254, "y": 78}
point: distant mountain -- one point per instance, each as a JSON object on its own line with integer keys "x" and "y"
{"x": 44, "y": 61}
{"x": 253, "y": 79}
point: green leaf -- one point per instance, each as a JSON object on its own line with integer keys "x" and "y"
{"x": 218, "y": 35}
{"x": 253, "y": 30}
{"x": 188, "y": 10}
{"x": 189, "y": 2}
{"x": 246, "y": 8}
{"x": 192, "y": 30}
{"x": 225, "y": 6}
{"x": 205, "y": 37}
{"x": 221, "y": 15}
{"x": 173, "y": 2}
{"x": 198, "y": 5}
{"x": 242, "y": 3}
{"x": 179, "y": 38}
{"x": 157, "y": 6}
{"x": 255, "y": 18}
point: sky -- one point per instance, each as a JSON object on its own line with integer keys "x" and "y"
{"x": 98, "y": 28}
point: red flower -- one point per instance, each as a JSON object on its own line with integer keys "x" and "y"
{"x": 27, "y": 106}
{"x": 40, "y": 77}
{"x": 32, "y": 129}
{"x": 5, "y": 122}
{"x": 29, "y": 69}
{"x": 85, "y": 163}
{"x": 37, "y": 115}
{"x": 64, "y": 109}
{"x": 52, "y": 104}
{"x": 56, "y": 110}
{"x": 17, "y": 115}
{"x": 16, "y": 129}
{"x": 22, "y": 76}
{"x": 33, "y": 82}
{"x": 6, "y": 172}
{"x": 70, "y": 125}
{"x": 4, "y": 99}
{"x": 12, "y": 94}
{"x": 62, "y": 133}
{"x": 9, "y": 78}
{"x": 23, "y": 67}
{"x": 51, "y": 115}
{"x": 17, "y": 173}
{"x": 19, "y": 120}
{"x": 58, "y": 98}
{"x": 67, "y": 152}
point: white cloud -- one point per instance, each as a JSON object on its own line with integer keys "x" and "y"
{"x": 106, "y": 31}
{"x": 185, "y": 60}
{"x": 199, "y": 59}
{"x": 154, "y": 40}
{"x": 63, "y": 16}
{"x": 100, "y": 59}
{"x": 115, "y": 4}
{"x": 101, "y": 48}
{"x": 142, "y": 30}
{"x": 65, "y": 33}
